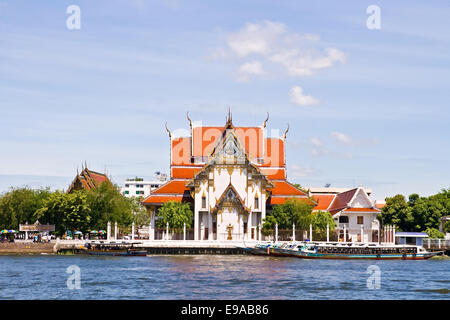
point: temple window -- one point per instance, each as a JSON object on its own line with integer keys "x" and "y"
{"x": 360, "y": 219}
{"x": 256, "y": 203}
{"x": 343, "y": 219}
{"x": 203, "y": 202}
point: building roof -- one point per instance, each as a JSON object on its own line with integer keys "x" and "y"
{"x": 174, "y": 190}
{"x": 87, "y": 180}
{"x": 411, "y": 234}
{"x": 333, "y": 190}
{"x": 342, "y": 200}
{"x": 323, "y": 201}
{"x": 190, "y": 155}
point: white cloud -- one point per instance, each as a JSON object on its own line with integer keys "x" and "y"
{"x": 255, "y": 38}
{"x": 341, "y": 137}
{"x": 298, "y": 98}
{"x": 297, "y": 54}
{"x": 316, "y": 142}
{"x": 249, "y": 69}
{"x": 297, "y": 171}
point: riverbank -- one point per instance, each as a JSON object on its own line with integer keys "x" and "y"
{"x": 25, "y": 248}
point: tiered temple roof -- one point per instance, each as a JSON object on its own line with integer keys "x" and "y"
{"x": 88, "y": 180}
{"x": 189, "y": 155}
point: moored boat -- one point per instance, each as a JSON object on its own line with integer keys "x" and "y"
{"x": 337, "y": 250}
{"x": 102, "y": 248}
{"x": 360, "y": 251}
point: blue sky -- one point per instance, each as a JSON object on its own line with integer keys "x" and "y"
{"x": 373, "y": 108}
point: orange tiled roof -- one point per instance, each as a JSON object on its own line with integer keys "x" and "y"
{"x": 284, "y": 188}
{"x": 323, "y": 201}
{"x": 156, "y": 199}
{"x": 274, "y": 173}
{"x": 205, "y": 138}
{"x": 173, "y": 190}
{"x": 172, "y": 187}
{"x": 88, "y": 180}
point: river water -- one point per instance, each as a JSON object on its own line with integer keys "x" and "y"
{"x": 219, "y": 277}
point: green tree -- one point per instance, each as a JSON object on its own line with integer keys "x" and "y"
{"x": 447, "y": 226}
{"x": 434, "y": 233}
{"x": 291, "y": 212}
{"x": 66, "y": 212}
{"x": 140, "y": 214}
{"x": 18, "y": 206}
{"x": 108, "y": 204}
{"x": 397, "y": 212}
{"x": 320, "y": 220}
{"x": 176, "y": 214}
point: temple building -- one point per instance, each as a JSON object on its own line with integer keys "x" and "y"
{"x": 87, "y": 180}
{"x": 232, "y": 176}
{"x": 353, "y": 211}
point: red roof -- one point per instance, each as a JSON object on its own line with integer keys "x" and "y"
{"x": 380, "y": 205}
{"x": 284, "y": 188}
{"x": 341, "y": 200}
{"x": 205, "y": 138}
{"x": 174, "y": 190}
{"x": 323, "y": 201}
{"x": 88, "y": 180}
{"x": 172, "y": 187}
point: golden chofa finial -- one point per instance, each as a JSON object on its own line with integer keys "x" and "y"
{"x": 229, "y": 115}
{"x": 265, "y": 121}
{"x": 168, "y": 131}
{"x": 189, "y": 119}
{"x": 284, "y": 135}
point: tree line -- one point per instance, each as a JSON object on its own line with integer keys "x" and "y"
{"x": 78, "y": 211}
{"x": 418, "y": 213}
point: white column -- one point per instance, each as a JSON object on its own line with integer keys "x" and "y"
{"x": 293, "y": 232}
{"x": 249, "y": 226}
{"x": 152, "y": 225}
{"x": 132, "y": 231}
{"x": 115, "y": 230}
{"x": 210, "y": 226}
{"x": 393, "y": 234}
{"x": 259, "y": 232}
{"x": 196, "y": 226}
{"x": 276, "y": 232}
{"x": 345, "y": 234}
{"x": 310, "y": 233}
{"x": 108, "y": 231}
{"x": 328, "y": 232}
{"x": 184, "y": 231}
{"x": 379, "y": 240}
{"x": 362, "y": 233}
{"x": 167, "y": 230}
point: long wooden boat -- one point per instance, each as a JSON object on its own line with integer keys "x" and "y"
{"x": 102, "y": 248}
{"x": 306, "y": 250}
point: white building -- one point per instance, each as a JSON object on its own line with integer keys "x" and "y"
{"x": 354, "y": 212}
{"x": 138, "y": 187}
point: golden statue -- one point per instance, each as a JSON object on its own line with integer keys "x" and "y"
{"x": 229, "y": 228}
